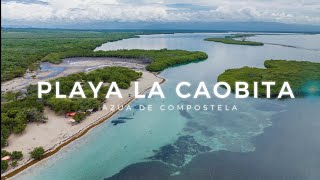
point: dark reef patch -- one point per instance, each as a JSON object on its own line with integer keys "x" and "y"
{"x": 289, "y": 149}
{"x": 125, "y": 118}
{"x": 118, "y": 121}
{"x": 185, "y": 114}
{"x": 176, "y": 154}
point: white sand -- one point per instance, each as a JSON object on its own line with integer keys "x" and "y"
{"x": 58, "y": 129}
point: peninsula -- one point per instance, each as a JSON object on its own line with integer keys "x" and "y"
{"x": 303, "y": 77}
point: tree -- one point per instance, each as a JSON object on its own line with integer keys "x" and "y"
{"x": 16, "y": 155}
{"x": 61, "y": 105}
{"x": 85, "y": 104}
{"x": 5, "y": 153}
{"x": 5, "y": 120}
{"x": 123, "y": 85}
{"x": 14, "y": 163}
{"x": 79, "y": 117}
{"x": 4, "y": 166}
{"x": 4, "y": 142}
{"x": 37, "y": 153}
{"x": 33, "y": 115}
{"x": 5, "y": 132}
{"x": 19, "y": 128}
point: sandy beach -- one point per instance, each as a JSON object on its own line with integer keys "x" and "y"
{"x": 58, "y": 130}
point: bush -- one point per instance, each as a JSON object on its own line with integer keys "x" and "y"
{"x": 79, "y": 117}
{"x": 123, "y": 85}
{"x": 4, "y": 142}
{"x": 37, "y": 153}
{"x": 5, "y": 153}
{"x": 19, "y": 128}
{"x": 14, "y": 163}
{"x": 16, "y": 155}
{"x": 4, "y": 166}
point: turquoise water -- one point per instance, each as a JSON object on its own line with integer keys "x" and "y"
{"x": 107, "y": 149}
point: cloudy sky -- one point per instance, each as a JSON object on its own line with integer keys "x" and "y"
{"x": 30, "y": 12}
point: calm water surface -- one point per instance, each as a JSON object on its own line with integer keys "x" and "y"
{"x": 263, "y": 139}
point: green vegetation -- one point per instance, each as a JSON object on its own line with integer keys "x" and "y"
{"x": 37, "y": 153}
{"x": 303, "y": 76}
{"x": 16, "y": 113}
{"x": 231, "y": 40}
{"x": 5, "y": 153}
{"x": 158, "y": 59}
{"x": 79, "y": 117}
{"x": 14, "y": 163}
{"x": 123, "y": 77}
{"x": 10, "y": 96}
{"x": 16, "y": 155}
{"x": 4, "y": 166}
{"x": 24, "y": 49}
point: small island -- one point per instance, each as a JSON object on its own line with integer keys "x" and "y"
{"x": 231, "y": 40}
{"x": 303, "y": 77}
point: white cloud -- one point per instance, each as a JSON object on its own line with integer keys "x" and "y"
{"x": 77, "y": 11}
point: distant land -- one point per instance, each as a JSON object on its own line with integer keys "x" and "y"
{"x": 181, "y": 26}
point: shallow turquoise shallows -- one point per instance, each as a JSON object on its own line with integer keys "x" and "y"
{"x": 107, "y": 149}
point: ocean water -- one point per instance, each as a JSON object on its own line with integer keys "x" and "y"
{"x": 175, "y": 144}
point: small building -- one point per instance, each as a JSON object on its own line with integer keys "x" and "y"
{"x": 70, "y": 114}
{"x": 72, "y": 121}
{"x": 6, "y": 158}
{"x": 90, "y": 111}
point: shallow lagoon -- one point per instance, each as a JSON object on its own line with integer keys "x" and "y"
{"x": 183, "y": 136}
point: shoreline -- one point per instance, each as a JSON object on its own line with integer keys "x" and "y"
{"x": 56, "y": 147}
{"x": 49, "y": 71}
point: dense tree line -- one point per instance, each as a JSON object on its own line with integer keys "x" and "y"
{"x": 15, "y": 114}
{"x": 22, "y": 50}
{"x": 303, "y": 77}
{"x": 157, "y": 60}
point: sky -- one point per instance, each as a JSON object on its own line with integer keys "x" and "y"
{"x": 55, "y": 12}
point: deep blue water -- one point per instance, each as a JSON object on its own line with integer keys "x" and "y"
{"x": 263, "y": 139}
